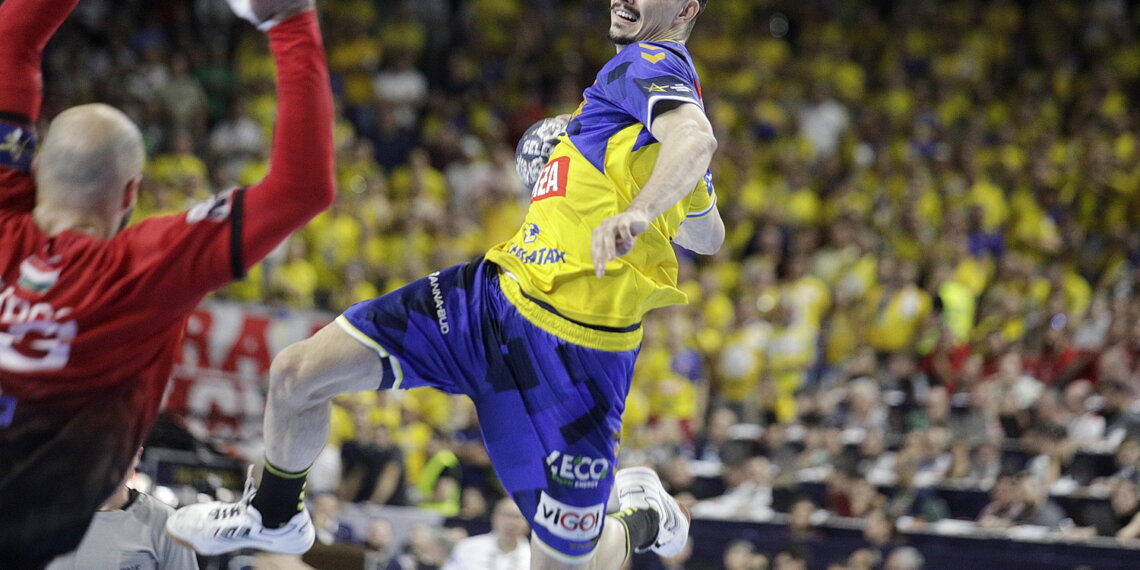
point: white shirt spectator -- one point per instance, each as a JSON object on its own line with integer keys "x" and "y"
{"x": 483, "y": 552}
{"x": 504, "y": 548}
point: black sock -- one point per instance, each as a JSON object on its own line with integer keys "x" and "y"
{"x": 640, "y": 527}
{"x": 280, "y": 495}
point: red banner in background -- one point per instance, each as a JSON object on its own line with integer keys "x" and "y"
{"x": 218, "y": 385}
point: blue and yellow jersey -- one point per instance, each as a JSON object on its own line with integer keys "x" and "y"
{"x": 594, "y": 172}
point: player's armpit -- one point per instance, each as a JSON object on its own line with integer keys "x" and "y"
{"x": 703, "y": 235}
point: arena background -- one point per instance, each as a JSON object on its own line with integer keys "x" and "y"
{"x": 922, "y": 329}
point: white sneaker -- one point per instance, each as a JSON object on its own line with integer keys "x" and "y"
{"x": 218, "y": 527}
{"x": 640, "y": 488}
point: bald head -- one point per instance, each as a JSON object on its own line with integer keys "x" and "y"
{"x": 90, "y": 154}
{"x": 87, "y": 171}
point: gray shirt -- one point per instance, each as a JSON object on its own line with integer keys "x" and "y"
{"x": 133, "y": 538}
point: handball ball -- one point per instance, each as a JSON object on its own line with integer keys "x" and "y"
{"x": 535, "y": 147}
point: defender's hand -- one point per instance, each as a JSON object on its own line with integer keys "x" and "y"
{"x": 266, "y": 13}
{"x": 615, "y": 236}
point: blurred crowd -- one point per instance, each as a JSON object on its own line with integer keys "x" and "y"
{"x": 929, "y": 276}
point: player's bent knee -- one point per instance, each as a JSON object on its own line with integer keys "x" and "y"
{"x": 287, "y": 384}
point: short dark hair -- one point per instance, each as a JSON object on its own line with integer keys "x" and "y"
{"x": 703, "y": 4}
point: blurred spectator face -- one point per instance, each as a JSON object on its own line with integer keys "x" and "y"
{"x": 1075, "y": 395}
{"x": 801, "y": 515}
{"x": 873, "y": 444}
{"x": 863, "y": 496}
{"x": 1128, "y": 453}
{"x": 721, "y": 420}
{"x": 863, "y": 559}
{"x": 738, "y": 555}
{"x": 472, "y": 504}
{"x": 901, "y": 365}
{"x": 1124, "y": 499}
{"x": 1005, "y": 491}
{"x": 380, "y": 535}
{"x": 507, "y": 521}
{"x": 878, "y": 529}
{"x": 905, "y": 558}
{"x": 677, "y": 474}
{"x": 789, "y": 561}
{"x": 938, "y": 405}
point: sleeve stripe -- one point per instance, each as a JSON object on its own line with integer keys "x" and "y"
{"x": 16, "y": 118}
{"x": 393, "y": 374}
{"x": 237, "y": 214}
{"x": 659, "y": 98}
{"x": 705, "y": 211}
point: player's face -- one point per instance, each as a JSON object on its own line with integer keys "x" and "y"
{"x": 641, "y": 20}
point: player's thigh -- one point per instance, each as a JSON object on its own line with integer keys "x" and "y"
{"x": 329, "y": 363}
{"x": 551, "y": 424}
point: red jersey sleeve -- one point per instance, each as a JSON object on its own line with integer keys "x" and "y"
{"x": 300, "y": 183}
{"x": 25, "y": 26}
{"x": 217, "y": 240}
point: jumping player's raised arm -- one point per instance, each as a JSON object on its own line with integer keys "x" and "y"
{"x": 300, "y": 183}
{"x": 25, "y": 28}
{"x": 669, "y": 108}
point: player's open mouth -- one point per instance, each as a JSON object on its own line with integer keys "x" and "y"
{"x": 626, "y": 15}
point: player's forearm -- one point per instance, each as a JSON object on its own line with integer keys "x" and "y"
{"x": 25, "y": 28}
{"x": 300, "y": 183}
{"x": 681, "y": 163}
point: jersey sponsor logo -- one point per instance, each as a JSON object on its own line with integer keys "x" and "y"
{"x": 666, "y": 86}
{"x": 540, "y": 256}
{"x": 437, "y": 298}
{"x": 568, "y": 522}
{"x": 552, "y": 181}
{"x": 577, "y": 471}
{"x": 215, "y": 208}
{"x": 709, "y": 182}
{"x": 530, "y": 232}
{"x": 34, "y": 337}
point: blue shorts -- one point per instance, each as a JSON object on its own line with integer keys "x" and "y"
{"x": 550, "y": 410}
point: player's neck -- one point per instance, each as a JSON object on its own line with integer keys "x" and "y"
{"x": 666, "y": 36}
{"x": 54, "y": 221}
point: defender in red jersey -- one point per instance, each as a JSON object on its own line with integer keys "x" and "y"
{"x": 91, "y": 314}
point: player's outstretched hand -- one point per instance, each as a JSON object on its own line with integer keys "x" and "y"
{"x": 266, "y": 13}
{"x": 615, "y": 236}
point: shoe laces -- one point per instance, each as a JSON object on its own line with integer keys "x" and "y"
{"x": 230, "y": 510}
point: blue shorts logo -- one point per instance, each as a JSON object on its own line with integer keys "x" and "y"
{"x": 577, "y": 471}
{"x": 569, "y": 522}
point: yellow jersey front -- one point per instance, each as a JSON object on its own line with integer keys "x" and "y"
{"x": 594, "y": 172}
